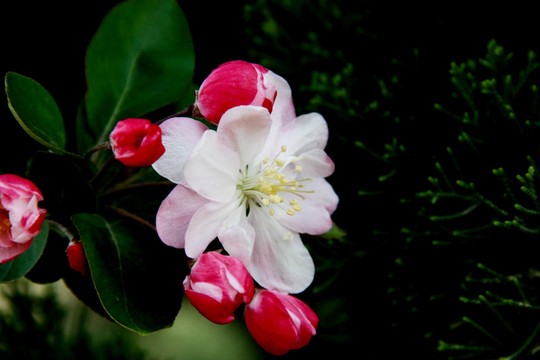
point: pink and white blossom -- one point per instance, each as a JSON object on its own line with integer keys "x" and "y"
{"x": 218, "y": 285}
{"x": 256, "y": 183}
{"x": 20, "y": 216}
{"x": 280, "y": 322}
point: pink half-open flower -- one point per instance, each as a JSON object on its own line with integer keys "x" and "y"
{"x": 280, "y": 322}
{"x": 136, "y": 142}
{"x": 236, "y": 83}
{"x": 20, "y": 216}
{"x": 255, "y": 183}
{"x": 218, "y": 285}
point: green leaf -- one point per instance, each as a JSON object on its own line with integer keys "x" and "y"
{"x": 23, "y": 263}
{"x": 36, "y": 111}
{"x": 140, "y": 59}
{"x": 137, "y": 277}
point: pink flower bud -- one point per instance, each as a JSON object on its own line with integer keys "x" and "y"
{"x": 20, "y": 216}
{"x": 76, "y": 257}
{"x": 232, "y": 84}
{"x": 280, "y": 322}
{"x": 218, "y": 285}
{"x": 137, "y": 142}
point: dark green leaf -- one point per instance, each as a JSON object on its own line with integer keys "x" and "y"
{"x": 19, "y": 266}
{"x": 36, "y": 111}
{"x": 140, "y": 59}
{"x": 137, "y": 277}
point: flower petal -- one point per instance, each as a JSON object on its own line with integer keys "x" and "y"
{"x": 204, "y": 226}
{"x": 212, "y": 168}
{"x": 179, "y": 136}
{"x": 175, "y": 213}
{"x": 307, "y": 132}
{"x": 283, "y": 109}
{"x": 245, "y": 129}
{"x": 238, "y": 236}
{"x": 314, "y": 163}
{"x": 280, "y": 261}
{"x": 314, "y": 218}
{"x": 10, "y": 253}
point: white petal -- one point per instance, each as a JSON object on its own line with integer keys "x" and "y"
{"x": 314, "y": 163}
{"x": 238, "y": 236}
{"x": 280, "y": 261}
{"x": 212, "y": 170}
{"x": 204, "y": 227}
{"x": 244, "y": 129}
{"x": 175, "y": 213}
{"x": 179, "y": 136}
{"x": 307, "y": 132}
{"x": 314, "y": 217}
{"x": 283, "y": 109}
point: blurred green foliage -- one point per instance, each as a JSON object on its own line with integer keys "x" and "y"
{"x": 435, "y": 137}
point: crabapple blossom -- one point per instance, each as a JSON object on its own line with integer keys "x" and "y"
{"x": 280, "y": 322}
{"x": 217, "y": 286}
{"x": 20, "y": 216}
{"x": 255, "y": 183}
{"x": 136, "y": 142}
{"x": 237, "y": 83}
{"x": 76, "y": 257}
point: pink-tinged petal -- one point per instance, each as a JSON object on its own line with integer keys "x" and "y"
{"x": 212, "y": 170}
{"x": 316, "y": 209}
{"x": 179, "y": 136}
{"x": 218, "y": 285}
{"x": 136, "y": 142}
{"x": 283, "y": 109}
{"x": 314, "y": 163}
{"x": 175, "y": 213}
{"x": 238, "y": 236}
{"x": 204, "y": 226}
{"x": 77, "y": 258}
{"x": 280, "y": 322}
{"x": 14, "y": 187}
{"x": 26, "y": 219}
{"x": 232, "y": 84}
{"x": 209, "y": 307}
{"x": 307, "y": 132}
{"x": 280, "y": 261}
{"x": 244, "y": 130}
{"x": 11, "y": 252}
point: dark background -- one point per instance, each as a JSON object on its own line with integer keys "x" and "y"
{"x": 47, "y": 41}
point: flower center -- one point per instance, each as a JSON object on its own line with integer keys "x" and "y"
{"x": 5, "y": 225}
{"x": 268, "y": 185}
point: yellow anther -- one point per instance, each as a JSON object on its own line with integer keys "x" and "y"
{"x": 279, "y": 162}
{"x": 271, "y": 211}
{"x": 293, "y": 202}
{"x": 298, "y": 168}
{"x": 265, "y": 160}
{"x": 265, "y": 202}
{"x": 290, "y": 211}
{"x": 283, "y": 148}
{"x": 297, "y": 207}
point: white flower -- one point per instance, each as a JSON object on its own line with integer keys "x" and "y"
{"x": 255, "y": 183}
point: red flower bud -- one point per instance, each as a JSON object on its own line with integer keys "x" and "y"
{"x": 280, "y": 322}
{"x": 136, "y": 142}
{"x": 20, "y": 216}
{"x": 232, "y": 84}
{"x": 217, "y": 286}
{"x": 76, "y": 257}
